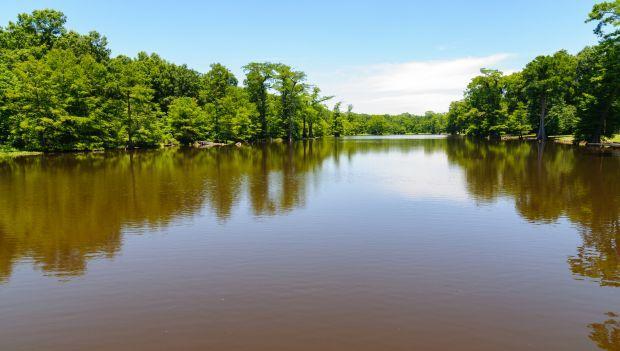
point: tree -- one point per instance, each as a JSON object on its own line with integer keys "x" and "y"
{"x": 455, "y": 118}
{"x": 93, "y": 44}
{"x": 562, "y": 119}
{"x": 517, "y": 122}
{"x": 514, "y": 91}
{"x": 376, "y": 125}
{"x": 337, "y": 127}
{"x": 169, "y": 81}
{"x": 290, "y": 85}
{"x": 607, "y": 14}
{"x": 548, "y": 79}
{"x": 6, "y": 82}
{"x": 217, "y": 83}
{"x": 55, "y": 102}
{"x": 60, "y": 90}
{"x": 258, "y": 80}
{"x": 598, "y": 76}
{"x": 186, "y": 120}
{"x": 484, "y": 94}
{"x": 234, "y": 120}
{"x": 39, "y": 30}
{"x": 315, "y": 109}
{"x": 141, "y": 125}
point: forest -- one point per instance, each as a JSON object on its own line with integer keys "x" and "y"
{"x": 63, "y": 91}
{"x": 559, "y": 94}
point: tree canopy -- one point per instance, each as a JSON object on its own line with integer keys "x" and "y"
{"x": 61, "y": 90}
{"x": 553, "y": 94}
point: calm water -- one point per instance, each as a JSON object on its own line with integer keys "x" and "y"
{"x": 361, "y": 244}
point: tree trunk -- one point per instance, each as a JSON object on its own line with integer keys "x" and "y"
{"x": 263, "y": 121}
{"x": 290, "y": 129}
{"x": 263, "y": 110}
{"x": 285, "y": 112}
{"x": 130, "y": 122}
{"x": 304, "y": 133}
{"x": 543, "y": 111}
{"x": 310, "y": 132}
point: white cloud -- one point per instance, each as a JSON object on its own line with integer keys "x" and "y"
{"x": 400, "y": 173}
{"x": 415, "y": 86}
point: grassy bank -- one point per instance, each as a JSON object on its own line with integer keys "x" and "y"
{"x": 9, "y": 153}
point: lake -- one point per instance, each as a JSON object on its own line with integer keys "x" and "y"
{"x": 364, "y": 243}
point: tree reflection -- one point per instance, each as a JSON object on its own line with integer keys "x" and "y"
{"x": 61, "y": 210}
{"x": 550, "y": 182}
{"x": 606, "y": 335}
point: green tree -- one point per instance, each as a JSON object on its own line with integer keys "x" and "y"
{"x": 258, "y": 80}
{"x": 548, "y": 80}
{"x": 337, "y": 127}
{"x": 55, "y": 102}
{"x": 455, "y": 118}
{"x": 93, "y": 44}
{"x": 291, "y": 87}
{"x": 598, "y": 76}
{"x": 6, "y": 82}
{"x": 132, "y": 99}
{"x": 235, "y": 120}
{"x": 186, "y": 120}
{"x": 38, "y": 31}
{"x": 376, "y": 125}
{"x": 316, "y": 109}
{"x": 217, "y": 83}
{"x": 168, "y": 81}
{"x": 562, "y": 119}
{"x": 484, "y": 94}
{"x": 517, "y": 122}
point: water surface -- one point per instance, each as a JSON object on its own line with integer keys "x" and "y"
{"x": 364, "y": 243}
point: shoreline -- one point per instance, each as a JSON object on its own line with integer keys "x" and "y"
{"x": 560, "y": 139}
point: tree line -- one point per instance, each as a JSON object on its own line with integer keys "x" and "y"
{"x": 61, "y": 90}
{"x": 553, "y": 94}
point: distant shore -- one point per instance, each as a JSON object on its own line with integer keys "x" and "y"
{"x": 614, "y": 143}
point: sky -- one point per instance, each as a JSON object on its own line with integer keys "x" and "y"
{"x": 387, "y": 56}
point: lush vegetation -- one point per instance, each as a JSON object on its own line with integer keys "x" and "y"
{"x": 61, "y": 90}
{"x": 554, "y": 94}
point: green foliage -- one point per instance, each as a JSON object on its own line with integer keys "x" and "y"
{"x": 376, "y": 125}
{"x": 36, "y": 32}
{"x": 549, "y": 80}
{"x": 337, "y": 126}
{"x": 259, "y": 78}
{"x": 598, "y": 76}
{"x": 232, "y": 120}
{"x": 131, "y": 100}
{"x": 60, "y": 90}
{"x": 607, "y": 14}
{"x": 557, "y": 94}
{"x": 290, "y": 85}
{"x": 517, "y": 122}
{"x": 186, "y": 120}
{"x": 562, "y": 119}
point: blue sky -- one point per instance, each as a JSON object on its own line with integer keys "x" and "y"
{"x": 383, "y": 56}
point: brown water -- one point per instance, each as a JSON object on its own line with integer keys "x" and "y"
{"x": 361, "y": 244}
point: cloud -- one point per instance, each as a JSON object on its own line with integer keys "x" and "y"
{"x": 415, "y": 86}
{"x": 399, "y": 173}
